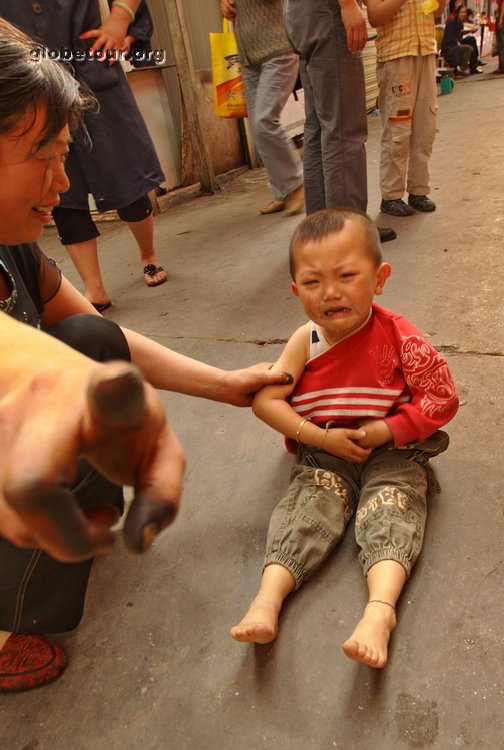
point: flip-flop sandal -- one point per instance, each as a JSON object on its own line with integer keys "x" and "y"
{"x": 151, "y": 270}
{"x": 101, "y": 306}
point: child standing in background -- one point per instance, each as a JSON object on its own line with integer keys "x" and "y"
{"x": 406, "y": 53}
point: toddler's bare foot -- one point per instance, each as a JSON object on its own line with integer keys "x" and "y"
{"x": 369, "y": 641}
{"x": 260, "y": 624}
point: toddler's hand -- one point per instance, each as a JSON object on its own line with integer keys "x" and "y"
{"x": 376, "y": 432}
{"x": 346, "y": 444}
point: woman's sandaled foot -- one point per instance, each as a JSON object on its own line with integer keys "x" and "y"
{"x": 99, "y": 299}
{"x": 28, "y": 661}
{"x": 260, "y": 625}
{"x": 102, "y": 306}
{"x": 154, "y": 275}
{"x": 369, "y": 641}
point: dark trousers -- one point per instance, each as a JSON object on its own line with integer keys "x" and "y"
{"x": 39, "y": 594}
{"x": 76, "y": 225}
{"x": 471, "y": 41}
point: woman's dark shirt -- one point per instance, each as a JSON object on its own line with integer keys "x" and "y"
{"x": 32, "y": 280}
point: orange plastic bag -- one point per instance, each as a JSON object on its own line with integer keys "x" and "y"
{"x": 227, "y": 79}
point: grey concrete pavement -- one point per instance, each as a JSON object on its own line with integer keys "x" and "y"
{"x": 152, "y": 665}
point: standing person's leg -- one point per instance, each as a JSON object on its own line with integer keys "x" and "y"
{"x": 314, "y": 183}
{"x": 304, "y": 528}
{"x": 84, "y": 256}
{"x": 396, "y": 81}
{"x": 251, "y": 75}
{"x": 389, "y": 528}
{"x": 338, "y": 96}
{"x": 138, "y": 216}
{"x": 37, "y": 593}
{"x": 341, "y": 104}
{"x": 267, "y": 87}
{"x": 78, "y": 232}
{"x": 299, "y": 33}
{"x": 499, "y": 31}
{"x": 423, "y": 133}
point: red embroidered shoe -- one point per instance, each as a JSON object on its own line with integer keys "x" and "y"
{"x": 27, "y": 661}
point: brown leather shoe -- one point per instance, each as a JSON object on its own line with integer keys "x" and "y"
{"x": 273, "y": 207}
{"x": 295, "y": 202}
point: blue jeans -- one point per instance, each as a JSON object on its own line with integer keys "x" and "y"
{"x": 335, "y": 106}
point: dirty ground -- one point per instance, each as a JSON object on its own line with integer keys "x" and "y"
{"x": 152, "y": 665}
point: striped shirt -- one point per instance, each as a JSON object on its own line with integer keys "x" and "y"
{"x": 385, "y": 370}
{"x": 348, "y": 405}
{"x": 409, "y": 32}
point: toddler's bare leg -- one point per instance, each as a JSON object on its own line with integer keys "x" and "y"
{"x": 369, "y": 641}
{"x": 260, "y": 624}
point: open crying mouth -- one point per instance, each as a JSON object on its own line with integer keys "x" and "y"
{"x": 336, "y": 310}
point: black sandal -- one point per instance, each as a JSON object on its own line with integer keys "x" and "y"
{"x": 101, "y": 306}
{"x": 151, "y": 270}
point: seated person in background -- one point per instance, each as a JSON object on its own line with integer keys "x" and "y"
{"x": 471, "y": 28}
{"x": 369, "y": 396}
{"x": 462, "y": 57}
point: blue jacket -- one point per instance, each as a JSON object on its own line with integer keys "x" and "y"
{"x": 121, "y": 166}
